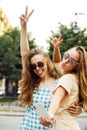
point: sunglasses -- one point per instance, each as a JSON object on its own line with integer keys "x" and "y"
{"x": 39, "y": 64}
{"x": 70, "y": 60}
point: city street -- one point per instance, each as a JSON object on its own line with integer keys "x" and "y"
{"x": 13, "y": 122}
{"x": 10, "y": 122}
{"x": 83, "y": 123}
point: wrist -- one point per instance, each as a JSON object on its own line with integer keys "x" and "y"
{"x": 51, "y": 115}
{"x": 52, "y": 118}
{"x": 56, "y": 47}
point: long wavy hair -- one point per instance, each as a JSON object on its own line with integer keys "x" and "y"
{"x": 82, "y": 75}
{"x": 30, "y": 80}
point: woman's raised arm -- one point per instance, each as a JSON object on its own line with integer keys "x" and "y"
{"x": 24, "y": 46}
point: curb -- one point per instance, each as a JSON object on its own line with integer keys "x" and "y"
{"x": 12, "y": 113}
{"x": 20, "y": 111}
{"x": 15, "y": 113}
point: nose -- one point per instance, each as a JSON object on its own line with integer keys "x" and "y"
{"x": 66, "y": 60}
{"x": 37, "y": 67}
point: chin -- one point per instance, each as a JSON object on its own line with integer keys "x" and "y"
{"x": 43, "y": 76}
{"x": 62, "y": 66}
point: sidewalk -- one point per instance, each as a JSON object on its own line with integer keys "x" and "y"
{"x": 16, "y": 109}
{"x": 12, "y": 109}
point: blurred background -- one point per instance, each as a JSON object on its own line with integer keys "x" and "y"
{"x": 50, "y": 18}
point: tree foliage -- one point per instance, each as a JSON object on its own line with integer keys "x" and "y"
{"x": 70, "y": 38}
{"x": 10, "y": 59}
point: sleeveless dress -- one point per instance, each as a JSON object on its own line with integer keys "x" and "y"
{"x": 31, "y": 120}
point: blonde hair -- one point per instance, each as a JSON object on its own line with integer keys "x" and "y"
{"x": 30, "y": 80}
{"x": 82, "y": 74}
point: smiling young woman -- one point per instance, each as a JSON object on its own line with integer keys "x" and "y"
{"x": 71, "y": 87}
{"x": 39, "y": 78}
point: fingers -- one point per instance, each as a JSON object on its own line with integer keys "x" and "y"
{"x": 57, "y": 41}
{"x": 26, "y": 10}
{"x": 30, "y": 13}
{"x": 60, "y": 36}
{"x": 54, "y": 40}
{"x": 74, "y": 109}
{"x": 45, "y": 122}
{"x": 22, "y": 17}
{"x": 27, "y": 16}
{"x": 76, "y": 103}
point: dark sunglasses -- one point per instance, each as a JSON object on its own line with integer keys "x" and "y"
{"x": 38, "y": 64}
{"x": 70, "y": 60}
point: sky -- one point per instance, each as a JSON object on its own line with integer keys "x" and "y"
{"x": 47, "y": 14}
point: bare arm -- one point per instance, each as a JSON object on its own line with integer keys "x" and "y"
{"x": 57, "y": 98}
{"x": 59, "y": 94}
{"x": 24, "y": 46}
{"x": 56, "y": 53}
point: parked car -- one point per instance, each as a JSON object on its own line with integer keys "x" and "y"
{"x": 18, "y": 92}
{"x": 2, "y": 91}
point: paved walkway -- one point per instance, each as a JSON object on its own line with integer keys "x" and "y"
{"x": 20, "y": 111}
{"x": 15, "y": 109}
{"x": 12, "y": 110}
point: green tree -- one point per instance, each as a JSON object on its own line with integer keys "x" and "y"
{"x": 10, "y": 59}
{"x": 70, "y": 38}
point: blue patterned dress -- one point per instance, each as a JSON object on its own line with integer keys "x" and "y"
{"x": 31, "y": 120}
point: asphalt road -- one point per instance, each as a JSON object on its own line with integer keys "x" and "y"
{"x": 82, "y": 122}
{"x": 13, "y": 122}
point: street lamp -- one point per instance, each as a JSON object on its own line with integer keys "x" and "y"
{"x": 76, "y": 28}
{"x": 80, "y": 14}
